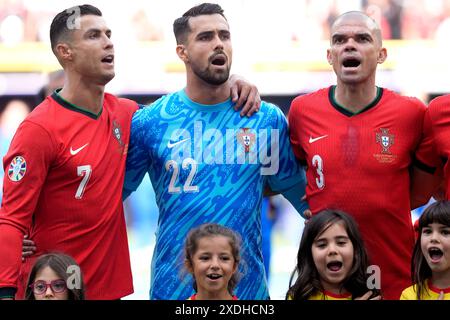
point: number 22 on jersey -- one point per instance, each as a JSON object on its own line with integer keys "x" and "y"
{"x": 187, "y": 187}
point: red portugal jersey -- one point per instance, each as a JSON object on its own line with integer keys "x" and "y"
{"x": 63, "y": 181}
{"x": 439, "y": 117}
{"x": 359, "y": 163}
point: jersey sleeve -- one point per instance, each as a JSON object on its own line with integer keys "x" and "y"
{"x": 138, "y": 159}
{"x": 289, "y": 174}
{"x": 294, "y": 118}
{"x": 26, "y": 165}
{"x": 426, "y": 156}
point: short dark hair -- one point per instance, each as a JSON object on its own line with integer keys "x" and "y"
{"x": 59, "y": 28}
{"x": 181, "y": 25}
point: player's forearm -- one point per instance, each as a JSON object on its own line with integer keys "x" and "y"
{"x": 10, "y": 262}
{"x": 126, "y": 193}
{"x": 295, "y": 196}
{"x": 131, "y": 182}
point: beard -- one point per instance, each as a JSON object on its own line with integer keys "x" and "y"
{"x": 213, "y": 78}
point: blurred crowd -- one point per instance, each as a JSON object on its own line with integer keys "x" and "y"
{"x": 29, "y": 21}
{"x": 26, "y": 20}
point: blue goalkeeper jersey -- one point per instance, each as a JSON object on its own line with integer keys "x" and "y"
{"x": 208, "y": 164}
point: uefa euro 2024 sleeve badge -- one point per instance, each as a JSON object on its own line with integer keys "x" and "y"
{"x": 17, "y": 169}
{"x": 246, "y": 138}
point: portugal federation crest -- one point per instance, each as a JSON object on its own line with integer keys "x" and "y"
{"x": 17, "y": 169}
{"x": 117, "y": 132}
{"x": 246, "y": 138}
{"x": 385, "y": 139}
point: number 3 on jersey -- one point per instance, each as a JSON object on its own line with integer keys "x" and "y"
{"x": 317, "y": 163}
{"x": 171, "y": 164}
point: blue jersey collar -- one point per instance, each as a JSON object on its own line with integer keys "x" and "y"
{"x": 205, "y": 107}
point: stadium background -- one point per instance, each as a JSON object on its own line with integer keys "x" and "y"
{"x": 278, "y": 45}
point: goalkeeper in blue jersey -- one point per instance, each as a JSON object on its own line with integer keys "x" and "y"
{"x": 206, "y": 162}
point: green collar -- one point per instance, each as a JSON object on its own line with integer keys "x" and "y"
{"x": 347, "y": 112}
{"x": 66, "y": 104}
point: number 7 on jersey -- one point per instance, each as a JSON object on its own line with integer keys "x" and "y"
{"x": 85, "y": 172}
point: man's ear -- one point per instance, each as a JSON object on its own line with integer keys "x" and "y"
{"x": 64, "y": 52}
{"x": 181, "y": 52}
{"x": 382, "y": 55}
{"x": 329, "y": 57}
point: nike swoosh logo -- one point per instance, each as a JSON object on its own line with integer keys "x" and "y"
{"x": 170, "y": 145}
{"x": 74, "y": 152}
{"x": 312, "y": 140}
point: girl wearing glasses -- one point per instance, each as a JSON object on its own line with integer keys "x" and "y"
{"x": 55, "y": 276}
